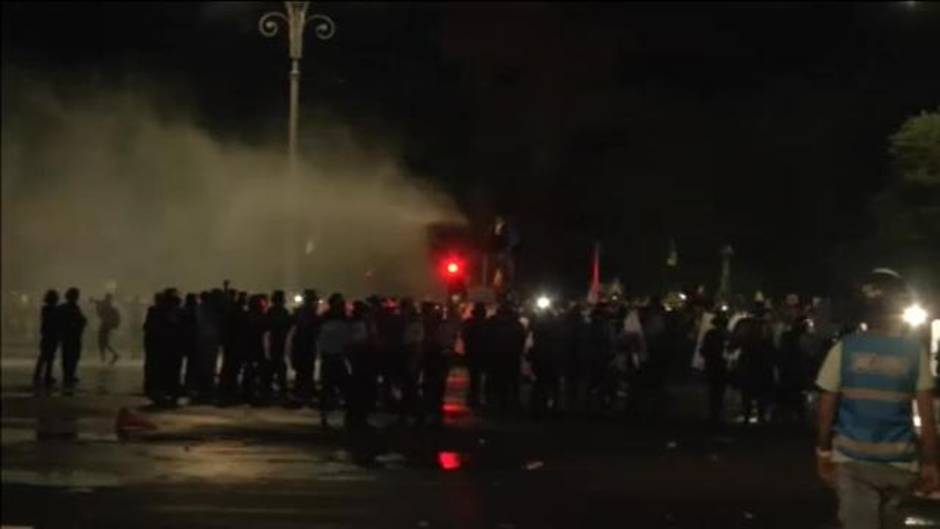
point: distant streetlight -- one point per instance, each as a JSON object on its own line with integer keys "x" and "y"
{"x": 543, "y": 302}
{"x": 295, "y": 19}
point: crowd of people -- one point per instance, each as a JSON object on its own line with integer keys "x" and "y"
{"x": 395, "y": 355}
{"x": 228, "y": 347}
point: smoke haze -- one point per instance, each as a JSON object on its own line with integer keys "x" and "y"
{"x": 104, "y": 186}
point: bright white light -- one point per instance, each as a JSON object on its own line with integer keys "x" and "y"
{"x": 917, "y": 521}
{"x": 298, "y": 299}
{"x": 543, "y": 302}
{"x": 724, "y": 308}
{"x": 682, "y": 296}
{"x": 915, "y": 315}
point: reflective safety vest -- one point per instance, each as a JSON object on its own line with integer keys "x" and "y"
{"x": 879, "y": 379}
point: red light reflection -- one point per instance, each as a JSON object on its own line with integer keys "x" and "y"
{"x": 448, "y": 460}
{"x": 455, "y": 408}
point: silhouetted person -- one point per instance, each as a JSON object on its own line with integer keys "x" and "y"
{"x": 716, "y": 367}
{"x": 431, "y": 318}
{"x": 508, "y": 338}
{"x": 304, "y": 345}
{"x": 574, "y": 335}
{"x": 209, "y": 336}
{"x": 332, "y": 346}
{"x": 233, "y": 345}
{"x": 657, "y": 342}
{"x": 279, "y": 325}
{"x": 50, "y": 334}
{"x": 437, "y": 359}
{"x": 189, "y": 342}
{"x": 256, "y": 363}
{"x": 547, "y": 362}
{"x": 151, "y": 347}
{"x": 72, "y": 323}
{"x": 599, "y": 356}
{"x": 390, "y": 330}
{"x": 790, "y": 362}
{"x": 110, "y": 319}
{"x": 755, "y": 368}
{"x": 362, "y": 358}
{"x": 473, "y": 334}
{"x": 170, "y": 348}
{"x": 412, "y": 350}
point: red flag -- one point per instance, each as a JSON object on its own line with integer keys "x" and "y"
{"x": 595, "y": 293}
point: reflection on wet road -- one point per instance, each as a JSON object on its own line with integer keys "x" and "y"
{"x": 200, "y": 466}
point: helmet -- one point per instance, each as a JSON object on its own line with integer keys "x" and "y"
{"x": 884, "y": 293}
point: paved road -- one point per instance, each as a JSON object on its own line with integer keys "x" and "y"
{"x": 273, "y": 468}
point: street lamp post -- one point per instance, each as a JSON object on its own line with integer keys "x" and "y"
{"x": 295, "y": 19}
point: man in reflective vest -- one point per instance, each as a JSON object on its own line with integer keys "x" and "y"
{"x": 867, "y": 445}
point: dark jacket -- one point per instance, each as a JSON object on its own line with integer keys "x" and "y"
{"x": 279, "y": 324}
{"x": 307, "y": 322}
{"x": 49, "y": 328}
{"x": 473, "y": 334}
{"x": 72, "y": 323}
{"x": 713, "y": 350}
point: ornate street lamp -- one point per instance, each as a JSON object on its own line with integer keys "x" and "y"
{"x": 295, "y": 19}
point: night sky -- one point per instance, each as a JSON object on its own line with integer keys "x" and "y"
{"x": 761, "y": 125}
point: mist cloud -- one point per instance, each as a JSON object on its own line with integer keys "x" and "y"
{"x": 106, "y": 185}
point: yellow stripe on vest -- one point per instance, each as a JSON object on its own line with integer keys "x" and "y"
{"x": 876, "y": 394}
{"x": 875, "y": 449}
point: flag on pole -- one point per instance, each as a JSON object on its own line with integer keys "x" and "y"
{"x": 594, "y": 293}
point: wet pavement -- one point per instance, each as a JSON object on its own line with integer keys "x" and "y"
{"x": 64, "y": 465}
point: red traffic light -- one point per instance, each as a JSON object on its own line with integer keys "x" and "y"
{"x": 453, "y": 274}
{"x": 451, "y": 267}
